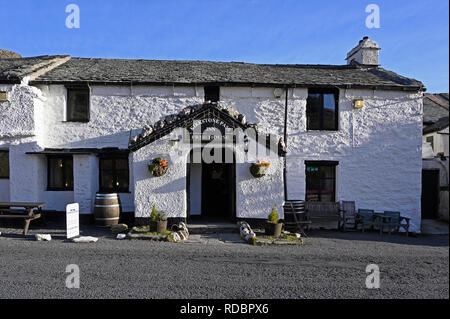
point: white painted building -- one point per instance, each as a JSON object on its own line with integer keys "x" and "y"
{"x": 72, "y": 127}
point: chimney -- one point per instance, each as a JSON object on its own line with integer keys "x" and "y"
{"x": 365, "y": 54}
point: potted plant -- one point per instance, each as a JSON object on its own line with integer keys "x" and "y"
{"x": 260, "y": 168}
{"x": 273, "y": 227}
{"x": 158, "y": 167}
{"x": 153, "y": 219}
{"x": 161, "y": 222}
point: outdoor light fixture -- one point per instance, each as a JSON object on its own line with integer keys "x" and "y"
{"x": 4, "y": 96}
{"x": 358, "y": 103}
{"x": 174, "y": 142}
{"x": 278, "y": 93}
{"x": 246, "y": 144}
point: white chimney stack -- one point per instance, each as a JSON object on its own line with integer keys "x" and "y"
{"x": 365, "y": 54}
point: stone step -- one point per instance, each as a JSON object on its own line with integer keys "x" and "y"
{"x": 212, "y": 228}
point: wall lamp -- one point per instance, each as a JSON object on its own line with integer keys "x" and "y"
{"x": 358, "y": 103}
{"x": 246, "y": 144}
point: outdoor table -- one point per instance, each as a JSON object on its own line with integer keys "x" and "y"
{"x": 382, "y": 217}
{"x": 15, "y": 212}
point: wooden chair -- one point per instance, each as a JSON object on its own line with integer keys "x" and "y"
{"x": 366, "y": 218}
{"x": 324, "y": 211}
{"x": 349, "y": 211}
{"x": 393, "y": 221}
{"x": 295, "y": 218}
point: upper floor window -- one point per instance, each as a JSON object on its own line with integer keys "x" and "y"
{"x": 212, "y": 93}
{"x": 77, "y": 104}
{"x": 114, "y": 173}
{"x": 322, "y": 109}
{"x": 60, "y": 173}
{"x": 4, "y": 164}
{"x": 321, "y": 181}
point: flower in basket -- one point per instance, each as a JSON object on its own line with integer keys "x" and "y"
{"x": 259, "y": 168}
{"x": 158, "y": 167}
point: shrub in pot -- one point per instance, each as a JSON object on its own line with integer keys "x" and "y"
{"x": 153, "y": 219}
{"x": 273, "y": 227}
{"x": 161, "y": 222}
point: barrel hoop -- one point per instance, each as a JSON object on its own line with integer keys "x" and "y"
{"x": 113, "y": 205}
{"x": 111, "y": 218}
{"x": 106, "y": 196}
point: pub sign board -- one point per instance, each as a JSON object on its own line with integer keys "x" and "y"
{"x": 73, "y": 220}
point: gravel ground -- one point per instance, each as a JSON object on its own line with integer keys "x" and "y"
{"x": 329, "y": 265}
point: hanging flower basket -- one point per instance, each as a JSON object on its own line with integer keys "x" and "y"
{"x": 260, "y": 168}
{"x": 158, "y": 167}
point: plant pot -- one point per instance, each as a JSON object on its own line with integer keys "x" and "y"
{"x": 159, "y": 171}
{"x": 152, "y": 226}
{"x": 273, "y": 229}
{"x": 161, "y": 226}
{"x": 258, "y": 170}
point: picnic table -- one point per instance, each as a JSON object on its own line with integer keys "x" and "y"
{"x": 21, "y": 210}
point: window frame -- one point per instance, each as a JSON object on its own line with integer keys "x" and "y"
{"x": 101, "y": 169}
{"x": 59, "y": 189}
{"x": 70, "y": 89}
{"x": 9, "y": 164}
{"x": 333, "y": 164}
{"x": 322, "y": 91}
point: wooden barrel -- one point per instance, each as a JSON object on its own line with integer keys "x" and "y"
{"x": 106, "y": 209}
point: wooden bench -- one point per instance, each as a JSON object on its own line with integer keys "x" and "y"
{"x": 295, "y": 218}
{"x": 324, "y": 212}
{"x": 25, "y": 213}
{"x": 393, "y": 221}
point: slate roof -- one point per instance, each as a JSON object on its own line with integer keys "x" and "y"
{"x": 435, "y": 106}
{"x": 13, "y": 70}
{"x": 439, "y": 125}
{"x": 160, "y": 72}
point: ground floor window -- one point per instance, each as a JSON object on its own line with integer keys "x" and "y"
{"x": 321, "y": 181}
{"x": 114, "y": 174}
{"x": 431, "y": 141}
{"x": 4, "y": 164}
{"x": 60, "y": 173}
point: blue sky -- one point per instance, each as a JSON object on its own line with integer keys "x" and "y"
{"x": 413, "y": 34}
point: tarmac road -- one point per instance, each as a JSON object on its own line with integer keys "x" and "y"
{"x": 329, "y": 265}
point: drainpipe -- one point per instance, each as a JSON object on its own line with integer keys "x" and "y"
{"x": 285, "y": 142}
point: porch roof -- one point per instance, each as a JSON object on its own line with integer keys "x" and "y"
{"x": 161, "y": 128}
{"x": 78, "y": 151}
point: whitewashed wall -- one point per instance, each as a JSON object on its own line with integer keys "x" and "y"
{"x": 17, "y": 114}
{"x": 255, "y": 197}
{"x": 114, "y": 111}
{"x": 378, "y": 147}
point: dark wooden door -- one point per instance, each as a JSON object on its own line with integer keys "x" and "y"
{"x": 218, "y": 187}
{"x": 430, "y": 194}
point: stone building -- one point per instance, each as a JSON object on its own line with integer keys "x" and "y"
{"x": 72, "y": 127}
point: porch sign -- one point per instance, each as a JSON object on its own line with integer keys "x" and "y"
{"x": 73, "y": 220}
